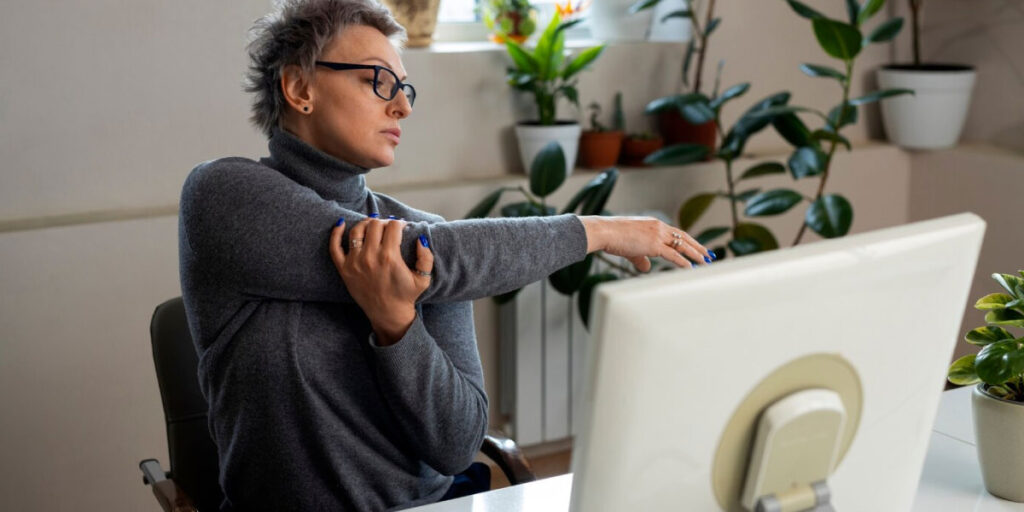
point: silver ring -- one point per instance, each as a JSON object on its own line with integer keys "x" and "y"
{"x": 355, "y": 243}
{"x": 676, "y": 235}
{"x": 424, "y": 274}
{"x": 677, "y": 243}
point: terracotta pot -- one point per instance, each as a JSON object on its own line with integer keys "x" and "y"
{"x": 500, "y": 38}
{"x": 677, "y": 130}
{"x": 635, "y": 150}
{"x": 997, "y": 426}
{"x": 419, "y": 17}
{"x": 599, "y": 150}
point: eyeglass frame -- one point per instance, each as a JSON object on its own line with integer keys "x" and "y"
{"x": 399, "y": 85}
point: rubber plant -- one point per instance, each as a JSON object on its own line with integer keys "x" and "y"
{"x": 829, "y": 215}
{"x": 1000, "y": 363}
{"x": 547, "y": 175}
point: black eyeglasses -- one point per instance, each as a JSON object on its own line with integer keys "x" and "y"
{"x": 385, "y": 82}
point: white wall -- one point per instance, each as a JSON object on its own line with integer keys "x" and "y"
{"x": 106, "y": 105}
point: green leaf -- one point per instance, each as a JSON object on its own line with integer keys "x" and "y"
{"x": 831, "y": 216}
{"x": 691, "y": 48}
{"x": 594, "y": 204}
{"x": 1010, "y": 283}
{"x": 743, "y": 246}
{"x": 853, "y": 10}
{"x": 1000, "y": 392}
{"x": 484, "y": 207}
{"x": 885, "y": 32}
{"x": 1009, "y": 317}
{"x": 804, "y": 10}
{"x": 763, "y": 169}
{"x": 507, "y": 297}
{"x": 877, "y": 95}
{"x": 542, "y": 53}
{"x": 1000, "y": 361}
{"x": 747, "y": 194}
{"x": 567, "y": 280}
{"x": 807, "y": 161}
{"x": 750, "y": 123}
{"x": 820, "y": 135}
{"x": 793, "y": 130}
{"x": 523, "y": 60}
{"x": 586, "y": 191}
{"x": 587, "y": 292}
{"x": 547, "y": 172}
{"x": 677, "y": 154}
{"x": 712, "y": 25}
{"x": 772, "y": 202}
{"x": 987, "y": 335}
{"x": 993, "y": 301}
{"x": 697, "y": 112}
{"x": 822, "y": 72}
{"x": 710, "y": 234}
{"x": 681, "y": 13}
{"x": 848, "y": 116}
{"x": 838, "y": 39}
{"x": 526, "y": 209}
{"x": 571, "y": 94}
{"x": 869, "y": 10}
{"x": 962, "y": 371}
{"x": 582, "y": 61}
{"x": 642, "y": 5}
{"x": 752, "y": 231}
{"x": 730, "y": 93}
{"x": 692, "y": 210}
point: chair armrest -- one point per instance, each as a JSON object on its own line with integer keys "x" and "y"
{"x": 171, "y": 497}
{"x": 509, "y": 458}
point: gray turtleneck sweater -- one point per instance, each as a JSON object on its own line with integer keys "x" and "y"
{"x": 307, "y": 412}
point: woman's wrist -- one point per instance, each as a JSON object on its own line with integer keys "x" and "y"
{"x": 391, "y": 327}
{"x": 594, "y": 226}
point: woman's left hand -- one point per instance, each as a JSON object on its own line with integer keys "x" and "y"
{"x": 377, "y": 277}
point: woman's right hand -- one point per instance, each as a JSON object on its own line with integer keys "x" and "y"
{"x": 640, "y": 238}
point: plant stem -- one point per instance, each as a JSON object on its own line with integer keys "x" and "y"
{"x": 915, "y": 10}
{"x": 703, "y": 45}
{"x": 531, "y": 199}
{"x": 601, "y": 256}
{"x": 832, "y": 149}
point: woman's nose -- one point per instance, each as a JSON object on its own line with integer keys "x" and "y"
{"x": 399, "y": 105}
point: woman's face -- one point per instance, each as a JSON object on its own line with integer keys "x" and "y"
{"x": 348, "y": 120}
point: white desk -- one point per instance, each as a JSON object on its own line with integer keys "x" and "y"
{"x": 951, "y": 480}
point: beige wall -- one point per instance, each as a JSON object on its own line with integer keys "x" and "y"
{"x": 105, "y": 106}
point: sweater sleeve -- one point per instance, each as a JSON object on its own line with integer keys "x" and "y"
{"x": 265, "y": 235}
{"x": 433, "y": 383}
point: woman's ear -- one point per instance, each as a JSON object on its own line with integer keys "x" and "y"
{"x": 298, "y": 91}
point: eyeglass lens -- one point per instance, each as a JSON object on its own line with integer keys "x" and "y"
{"x": 386, "y": 87}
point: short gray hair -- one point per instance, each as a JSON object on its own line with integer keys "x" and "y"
{"x": 296, "y": 33}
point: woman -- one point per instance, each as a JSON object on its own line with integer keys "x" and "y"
{"x": 350, "y": 381}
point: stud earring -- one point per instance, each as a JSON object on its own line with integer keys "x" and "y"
{"x": 306, "y": 108}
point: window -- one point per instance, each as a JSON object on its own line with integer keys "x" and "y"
{"x": 459, "y": 20}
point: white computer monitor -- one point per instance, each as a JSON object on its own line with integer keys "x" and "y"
{"x": 681, "y": 364}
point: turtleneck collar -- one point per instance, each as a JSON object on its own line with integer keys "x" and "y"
{"x": 333, "y": 179}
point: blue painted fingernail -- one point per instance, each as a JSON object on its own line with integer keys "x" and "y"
{"x": 340, "y": 222}
{"x": 707, "y": 260}
{"x": 424, "y": 242}
{"x": 392, "y": 217}
{"x": 374, "y": 215}
{"x": 714, "y": 257}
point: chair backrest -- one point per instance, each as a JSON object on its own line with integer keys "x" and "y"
{"x": 193, "y": 454}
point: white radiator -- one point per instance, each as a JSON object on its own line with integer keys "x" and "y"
{"x": 541, "y": 366}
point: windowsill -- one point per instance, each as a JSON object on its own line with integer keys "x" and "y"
{"x": 488, "y": 46}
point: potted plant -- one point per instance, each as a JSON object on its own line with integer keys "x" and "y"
{"x": 675, "y": 122}
{"x": 638, "y": 146}
{"x": 419, "y": 17}
{"x": 600, "y": 146}
{"x": 548, "y": 75}
{"x": 934, "y": 117}
{"x": 998, "y": 397}
{"x": 509, "y": 20}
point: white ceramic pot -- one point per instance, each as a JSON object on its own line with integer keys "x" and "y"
{"x": 610, "y": 20}
{"x": 934, "y": 116}
{"x": 999, "y": 433}
{"x": 533, "y": 138}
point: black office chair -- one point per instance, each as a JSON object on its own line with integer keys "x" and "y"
{"x": 193, "y": 481}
